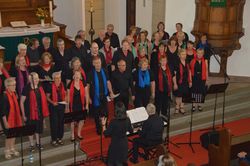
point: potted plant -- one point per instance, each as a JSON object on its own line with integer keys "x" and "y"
{"x": 42, "y": 13}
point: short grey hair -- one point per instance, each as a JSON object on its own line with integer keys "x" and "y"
{"x": 46, "y": 38}
{"x": 80, "y": 31}
{"x": 151, "y": 110}
{"x": 58, "y": 73}
{"x": 60, "y": 41}
{"x": 21, "y": 46}
{"x": 8, "y": 81}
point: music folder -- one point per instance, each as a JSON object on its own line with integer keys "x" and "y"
{"x": 137, "y": 116}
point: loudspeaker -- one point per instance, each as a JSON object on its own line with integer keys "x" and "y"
{"x": 211, "y": 137}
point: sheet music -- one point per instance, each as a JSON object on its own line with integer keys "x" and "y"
{"x": 62, "y": 102}
{"x": 137, "y": 115}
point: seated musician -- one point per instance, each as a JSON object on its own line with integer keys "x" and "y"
{"x": 151, "y": 133}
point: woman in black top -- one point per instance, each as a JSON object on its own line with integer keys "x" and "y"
{"x": 172, "y": 53}
{"x": 155, "y": 42}
{"x": 141, "y": 55}
{"x": 117, "y": 130}
{"x": 144, "y": 84}
{"x": 191, "y": 51}
{"x": 182, "y": 82}
{"x": 161, "y": 29}
{"x": 10, "y": 115}
{"x": 75, "y": 66}
{"x": 21, "y": 73}
{"x": 199, "y": 71}
{"x": 55, "y": 95}
{"x": 34, "y": 107}
{"x": 78, "y": 101}
{"x": 154, "y": 63}
{"x": 163, "y": 91}
{"x": 46, "y": 69}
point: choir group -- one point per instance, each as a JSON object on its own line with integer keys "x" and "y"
{"x": 44, "y": 81}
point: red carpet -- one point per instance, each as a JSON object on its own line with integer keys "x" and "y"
{"x": 91, "y": 142}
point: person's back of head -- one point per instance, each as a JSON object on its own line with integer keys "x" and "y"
{"x": 120, "y": 111}
{"x": 166, "y": 160}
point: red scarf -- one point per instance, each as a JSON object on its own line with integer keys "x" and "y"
{"x": 6, "y": 75}
{"x": 14, "y": 118}
{"x": 46, "y": 66}
{"x": 169, "y": 77}
{"x": 34, "y": 106}
{"x": 61, "y": 91}
{"x": 108, "y": 55}
{"x": 82, "y": 94}
{"x": 181, "y": 73}
{"x": 159, "y": 55}
{"x": 27, "y": 60}
{"x": 203, "y": 68}
{"x": 83, "y": 73}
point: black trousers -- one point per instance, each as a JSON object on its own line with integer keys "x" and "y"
{"x": 161, "y": 103}
{"x": 98, "y": 112}
{"x": 124, "y": 99}
{"x": 56, "y": 123}
{"x": 140, "y": 142}
{"x": 142, "y": 98}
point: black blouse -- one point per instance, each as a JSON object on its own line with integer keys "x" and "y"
{"x": 77, "y": 102}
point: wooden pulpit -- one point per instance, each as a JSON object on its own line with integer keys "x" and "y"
{"x": 223, "y": 25}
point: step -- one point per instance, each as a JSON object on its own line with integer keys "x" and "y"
{"x": 48, "y": 152}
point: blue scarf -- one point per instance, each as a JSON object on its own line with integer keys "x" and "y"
{"x": 202, "y": 46}
{"x": 144, "y": 78}
{"x": 97, "y": 87}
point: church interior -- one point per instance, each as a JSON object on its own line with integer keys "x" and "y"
{"x": 97, "y": 82}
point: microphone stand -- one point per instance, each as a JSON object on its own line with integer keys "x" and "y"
{"x": 39, "y": 137}
{"x": 167, "y": 139}
{"x": 226, "y": 77}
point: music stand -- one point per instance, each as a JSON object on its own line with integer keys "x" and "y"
{"x": 20, "y": 132}
{"x": 73, "y": 117}
{"x": 192, "y": 98}
{"x": 215, "y": 89}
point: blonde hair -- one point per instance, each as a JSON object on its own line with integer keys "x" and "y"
{"x": 21, "y": 46}
{"x": 181, "y": 51}
{"x": 18, "y": 60}
{"x": 74, "y": 59}
{"x": 143, "y": 60}
{"x": 44, "y": 55}
{"x": 8, "y": 81}
{"x": 200, "y": 49}
{"x": 32, "y": 75}
{"x": 77, "y": 71}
